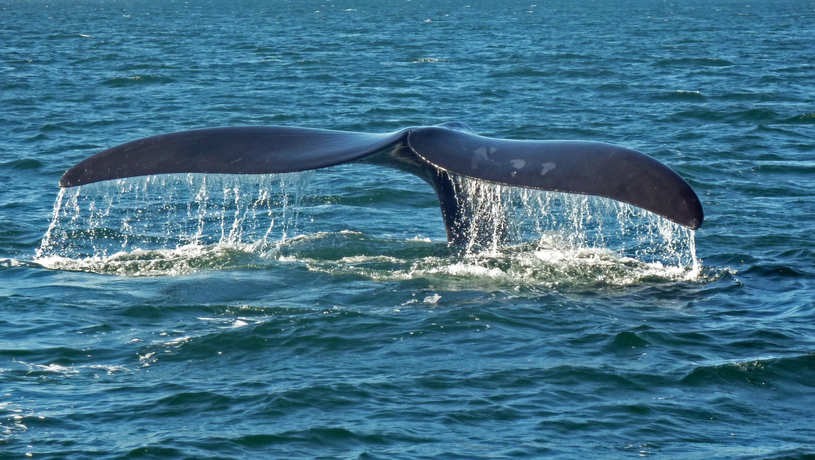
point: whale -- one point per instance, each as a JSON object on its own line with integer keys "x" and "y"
{"x": 438, "y": 154}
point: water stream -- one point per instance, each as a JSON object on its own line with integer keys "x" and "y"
{"x": 181, "y": 224}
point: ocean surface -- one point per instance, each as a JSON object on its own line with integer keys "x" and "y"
{"x": 323, "y": 315}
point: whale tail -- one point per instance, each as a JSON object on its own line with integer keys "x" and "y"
{"x": 437, "y": 154}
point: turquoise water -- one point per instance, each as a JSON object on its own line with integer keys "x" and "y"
{"x": 322, "y": 314}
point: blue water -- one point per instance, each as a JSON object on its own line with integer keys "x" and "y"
{"x": 322, "y": 314}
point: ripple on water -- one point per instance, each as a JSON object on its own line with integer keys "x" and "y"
{"x": 776, "y": 374}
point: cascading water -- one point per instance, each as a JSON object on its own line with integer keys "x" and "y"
{"x": 179, "y": 224}
{"x": 512, "y": 216}
{"x": 120, "y": 226}
{"x": 557, "y": 238}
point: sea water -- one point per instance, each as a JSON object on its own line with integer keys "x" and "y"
{"x": 323, "y": 314}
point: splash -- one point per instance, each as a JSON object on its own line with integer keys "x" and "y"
{"x": 180, "y": 224}
{"x": 168, "y": 215}
{"x": 530, "y": 267}
{"x": 509, "y": 216}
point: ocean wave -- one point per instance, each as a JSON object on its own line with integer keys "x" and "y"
{"x": 23, "y": 164}
{"x": 694, "y": 62}
{"x": 807, "y": 118}
{"x": 680, "y": 96}
{"x": 777, "y": 271}
{"x": 137, "y": 80}
{"x": 522, "y": 72}
{"x": 55, "y": 370}
{"x": 779, "y": 373}
{"x": 750, "y": 115}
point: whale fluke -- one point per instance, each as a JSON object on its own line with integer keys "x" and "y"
{"x": 242, "y": 150}
{"x": 434, "y": 153}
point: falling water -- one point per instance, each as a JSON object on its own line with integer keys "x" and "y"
{"x": 570, "y": 222}
{"x": 177, "y": 224}
{"x": 168, "y": 218}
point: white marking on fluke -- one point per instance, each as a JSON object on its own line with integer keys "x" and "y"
{"x": 546, "y": 167}
{"x": 517, "y": 163}
{"x": 479, "y": 154}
